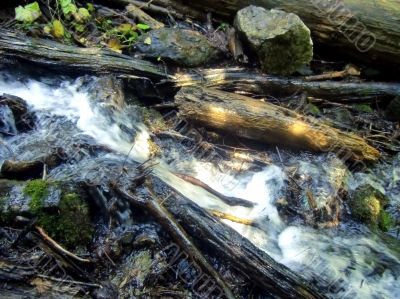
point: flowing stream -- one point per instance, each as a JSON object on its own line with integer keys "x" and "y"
{"x": 354, "y": 261}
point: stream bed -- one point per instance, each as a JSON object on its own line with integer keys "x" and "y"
{"x": 353, "y": 260}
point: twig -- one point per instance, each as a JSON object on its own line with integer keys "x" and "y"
{"x": 233, "y": 201}
{"x": 58, "y": 248}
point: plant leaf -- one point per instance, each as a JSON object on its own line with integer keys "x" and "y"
{"x": 147, "y": 41}
{"x": 125, "y": 28}
{"x": 29, "y": 13}
{"x": 58, "y": 29}
{"x": 114, "y": 45}
{"x": 67, "y": 7}
{"x": 82, "y": 15}
{"x": 143, "y": 26}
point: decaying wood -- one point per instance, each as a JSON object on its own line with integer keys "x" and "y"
{"x": 368, "y": 30}
{"x": 21, "y": 170}
{"x": 138, "y": 14}
{"x": 232, "y": 201}
{"x": 57, "y": 55}
{"x": 265, "y": 122}
{"x": 229, "y": 245}
{"x": 242, "y": 80}
{"x": 177, "y": 234}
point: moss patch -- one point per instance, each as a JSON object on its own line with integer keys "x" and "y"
{"x": 71, "y": 225}
{"x": 37, "y": 190}
{"x": 367, "y": 206}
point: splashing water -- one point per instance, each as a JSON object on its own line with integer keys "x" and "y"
{"x": 353, "y": 261}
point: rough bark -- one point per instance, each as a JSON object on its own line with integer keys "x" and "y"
{"x": 230, "y": 245}
{"x": 368, "y": 30}
{"x": 100, "y": 61}
{"x": 265, "y": 122}
{"x": 238, "y": 79}
{"x": 57, "y": 55}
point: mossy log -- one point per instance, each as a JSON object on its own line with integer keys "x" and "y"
{"x": 60, "y": 56}
{"x": 367, "y": 30}
{"x": 265, "y": 122}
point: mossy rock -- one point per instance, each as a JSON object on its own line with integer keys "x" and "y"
{"x": 392, "y": 111}
{"x": 71, "y": 226}
{"x": 281, "y": 40}
{"x": 367, "y": 206}
{"x": 67, "y": 221}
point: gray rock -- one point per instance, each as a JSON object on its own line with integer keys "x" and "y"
{"x": 281, "y": 40}
{"x": 393, "y": 109}
{"x": 183, "y": 47}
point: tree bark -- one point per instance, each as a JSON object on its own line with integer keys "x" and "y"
{"x": 63, "y": 57}
{"x": 229, "y": 245}
{"x": 239, "y": 79}
{"x": 368, "y": 30}
{"x": 265, "y": 122}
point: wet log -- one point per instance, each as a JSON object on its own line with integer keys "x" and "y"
{"x": 367, "y": 30}
{"x": 60, "y": 56}
{"x": 239, "y": 79}
{"x": 21, "y": 170}
{"x": 229, "y": 245}
{"x": 265, "y": 122}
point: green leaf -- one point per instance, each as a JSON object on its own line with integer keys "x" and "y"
{"x": 82, "y": 15}
{"x": 147, "y": 41}
{"x": 67, "y": 7}
{"x": 80, "y": 27}
{"x": 29, "y": 13}
{"x": 58, "y": 29}
{"x": 125, "y": 28}
{"x": 143, "y": 26}
{"x": 90, "y": 7}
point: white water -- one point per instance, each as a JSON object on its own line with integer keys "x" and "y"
{"x": 339, "y": 256}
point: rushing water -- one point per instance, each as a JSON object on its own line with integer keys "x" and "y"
{"x": 354, "y": 261}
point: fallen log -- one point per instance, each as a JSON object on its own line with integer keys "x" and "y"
{"x": 239, "y": 79}
{"x": 265, "y": 122}
{"x": 57, "y": 55}
{"x": 367, "y": 30}
{"x": 229, "y": 245}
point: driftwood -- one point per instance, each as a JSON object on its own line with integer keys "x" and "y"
{"x": 226, "y": 243}
{"x": 368, "y": 30}
{"x": 265, "y": 122}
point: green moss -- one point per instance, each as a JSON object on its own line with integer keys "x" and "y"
{"x": 71, "y": 225}
{"x": 363, "y": 108}
{"x": 37, "y": 190}
{"x": 385, "y": 221}
{"x": 367, "y": 206}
